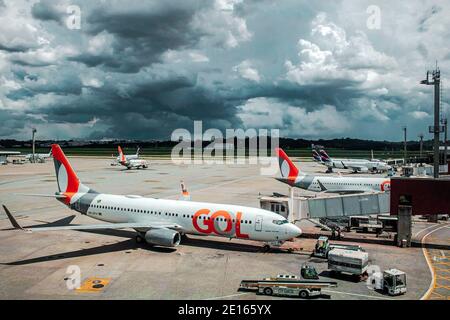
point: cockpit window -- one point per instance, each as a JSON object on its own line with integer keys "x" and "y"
{"x": 279, "y": 222}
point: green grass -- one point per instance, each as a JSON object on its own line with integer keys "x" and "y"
{"x": 357, "y": 154}
{"x": 166, "y": 152}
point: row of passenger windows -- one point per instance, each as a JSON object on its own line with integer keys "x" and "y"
{"x": 163, "y": 213}
{"x": 219, "y": 219}
{"x": 130, "y": 210}
{"x": 347, "y": 184}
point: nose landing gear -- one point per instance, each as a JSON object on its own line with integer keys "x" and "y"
{"x": 269, "y": 245}
{"x": 139, "y": 239}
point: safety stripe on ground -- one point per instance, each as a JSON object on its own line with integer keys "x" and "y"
{"x": 430, "y": 265}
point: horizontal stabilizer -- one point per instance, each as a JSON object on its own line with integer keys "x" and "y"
{"x": 11, "y": 218}
{"x": 41, "y": 195}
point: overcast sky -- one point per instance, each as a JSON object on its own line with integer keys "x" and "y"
{"x": 140, "y": 69}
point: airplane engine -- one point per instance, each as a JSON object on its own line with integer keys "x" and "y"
{"x": 163, "y": 237}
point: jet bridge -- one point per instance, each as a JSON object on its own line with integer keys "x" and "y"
{"x": 296, "y": 208}
{"x": 348, "y": 205}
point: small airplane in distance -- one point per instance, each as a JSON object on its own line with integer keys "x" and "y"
{"x": 291, "y": 175}
{"x": 4, "y": 156}
{"x": 40, "y": 157}
{"x": 356, "y": 165}
{"x": 161, "y": 222}
{"x": 127, "y": 156}
{"x": 132, "y": 162}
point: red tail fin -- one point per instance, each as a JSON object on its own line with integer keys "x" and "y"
{"x": 325, "y": 157}
{"x": 287, "y": 168}
{"x": 68, "y": 182}
{"x": 121, "y": 155}
{"x": 67, "y": 178}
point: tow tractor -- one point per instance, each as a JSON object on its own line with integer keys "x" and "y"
{"x": 308, "y": 272}
{"x": 306, "y": 286}
{"x": 323, "y": 247}
{"x": 393, "y": 282}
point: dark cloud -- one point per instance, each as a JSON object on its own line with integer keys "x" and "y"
{"x": 46, "y": 11}
{"x": 18, "y": 48}
{"x": 142, "y": 34}
{"x": 140, "y": 69}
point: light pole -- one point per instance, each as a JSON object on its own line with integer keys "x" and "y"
{"x": 404, "y": 144}
{"x": 444, "y": 123}
{"x": 436, "y": 129}
{"x": 33, "y": 131}
{"x": 421, "y": 144}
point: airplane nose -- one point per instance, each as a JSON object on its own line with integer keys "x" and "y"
{"x": 294, "y": 231}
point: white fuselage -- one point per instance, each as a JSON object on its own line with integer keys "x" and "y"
{"x": 134, "y": 163}
{"x": 201, "y": 218}
{"x": 128, "y": 157}
{"x": 357, "y": 164}
{"x": 337, "y": 184}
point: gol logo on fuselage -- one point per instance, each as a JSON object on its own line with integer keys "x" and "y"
{"x": 207, "y": 223}
{"x": 386, "y": 185}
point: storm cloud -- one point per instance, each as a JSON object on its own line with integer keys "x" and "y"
{"x": 141, "y": 69}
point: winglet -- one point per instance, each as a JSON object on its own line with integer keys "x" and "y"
{"x": 184, "y": 192}
{"x": 11, "y": 218}
{"x": 322, "y": 187}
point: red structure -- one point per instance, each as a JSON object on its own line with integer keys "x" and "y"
{"x": 427, "y": 196}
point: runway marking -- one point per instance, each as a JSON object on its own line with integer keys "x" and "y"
{"x": 228, "y": 296}
{"x": 93, "y": 285}
{"x": 420, "y": 231}
{"x": 358, "y": 295}
{"x": 432, "y": 286}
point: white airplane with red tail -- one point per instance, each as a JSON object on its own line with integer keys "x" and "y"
{"x": 132, "y": 162}
{"x": 162, "y": 222}
{"x": 291, "y": 175}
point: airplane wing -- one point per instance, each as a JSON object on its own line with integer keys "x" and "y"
{"x": 358, "y": 168}
{"x": 343, "y": 165}
{"x": 131, "y": 225}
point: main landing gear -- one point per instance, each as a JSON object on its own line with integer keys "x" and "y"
{"x": 183, "y": 237}
{"x": 272, "y": 244}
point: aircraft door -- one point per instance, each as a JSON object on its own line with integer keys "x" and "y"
{"x": 258, "y": 223}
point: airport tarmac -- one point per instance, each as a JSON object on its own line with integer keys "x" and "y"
{"x": 113, "y": 266}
